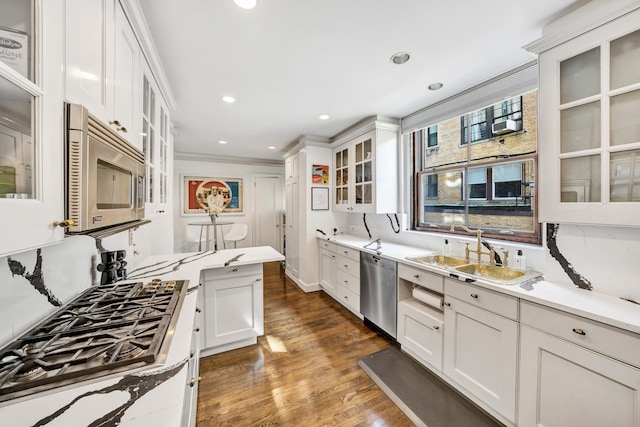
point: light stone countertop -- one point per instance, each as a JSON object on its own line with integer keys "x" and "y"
{"x": 600, "y": 307}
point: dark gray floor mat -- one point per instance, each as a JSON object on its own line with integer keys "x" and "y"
{"x": 423, "y": 397}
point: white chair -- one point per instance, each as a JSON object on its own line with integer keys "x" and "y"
{"x": 235, "y": 234}
{"x": 195, "y": 238}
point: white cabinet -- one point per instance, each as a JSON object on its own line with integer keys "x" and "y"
{"x": 233, "y": 308}
{"x": 31, "y": 150}
{"x": 481, "y": 347}
{"x": 365, "y": 165}
{"x": 291, "y": 166}
{"x": 589, "y": 139}
{"x": 327, "y": 266}
{"x": 190, "y": 403}
{"x": 348, "y": 278}
{"x": 564, "y": 378}
{"x": 103, "y": 63}
{"x": 420, "y": 332}
{"x": 292, "y": 232}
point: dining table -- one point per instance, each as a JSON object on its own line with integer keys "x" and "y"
{"x": 207, "y": 225}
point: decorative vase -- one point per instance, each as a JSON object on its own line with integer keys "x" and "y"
{"x": 213, "y": 219}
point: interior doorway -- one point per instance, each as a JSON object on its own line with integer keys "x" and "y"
{"x": 268, "y": 208}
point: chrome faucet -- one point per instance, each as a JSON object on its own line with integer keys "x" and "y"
{"x": 378, "y": 245}
{"x": 478, "y": 251}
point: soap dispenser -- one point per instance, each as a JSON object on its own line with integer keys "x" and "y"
{"x": 520, "y": 261}
{"x": 446, "y": 249}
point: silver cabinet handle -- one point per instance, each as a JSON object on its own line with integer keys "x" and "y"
{"x": 258, "y": 280}
{"x": 198, "y": 310}
{"x": 448, "y": 304}
{"x": 193, "y": 381}
{"x": 416, "y": 276}
{"x": 436, "y": 327}
{"x": 474, "y": 296}
{"x": 579, "y": 331}
{"x": 196, "y": 330}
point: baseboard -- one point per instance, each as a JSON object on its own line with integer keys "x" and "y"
{"x": 306, "y": 287}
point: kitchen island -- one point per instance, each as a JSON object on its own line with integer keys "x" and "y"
{"x": 161, "y": 394}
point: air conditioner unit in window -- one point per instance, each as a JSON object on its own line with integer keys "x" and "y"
{"x": 504, "y": 127}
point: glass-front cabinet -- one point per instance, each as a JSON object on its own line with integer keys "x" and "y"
{"x": 589, "y": 135}
{"x": 31, "y": 132}
{"x": 365, "y": 165}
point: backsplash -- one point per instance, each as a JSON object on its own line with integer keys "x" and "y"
{"x": 607, "y": 258}
{"x": 35, "y": 283}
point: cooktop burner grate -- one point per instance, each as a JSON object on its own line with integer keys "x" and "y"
{"x": 107, "y": 329}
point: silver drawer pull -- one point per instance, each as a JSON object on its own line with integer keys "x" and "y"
{"x": 196, "y": 330}
{"x": 474, "y": 296}
{"x": 346, "y": 252}
{"x": 198, "y": 310}
{"x": 193, "y": 381}
{"x": 258, "y": 280}
{"x": 417, "y": 276}
{"x": 436, "y": 327}
{"x": 346, "y": 266}
{"x": 346, "y": 281}
{"x": 234, "y": 270}
{"x": 579, "y": 331}
{"x": 448, "y": 304}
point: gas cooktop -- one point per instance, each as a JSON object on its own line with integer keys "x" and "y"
{"x": 105, "y": 330}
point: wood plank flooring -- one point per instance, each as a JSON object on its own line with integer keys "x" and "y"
{"x": 303, "y": 372}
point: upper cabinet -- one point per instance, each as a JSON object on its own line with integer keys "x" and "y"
{"x": 103, "y": 64}
{"x": 31, "y": 126}
{"x": 589, "y": 131}
{"x": 366, "y": 165}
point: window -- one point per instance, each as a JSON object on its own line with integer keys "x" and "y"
{"x": 482, "y": 120}
{"x": 489, "y": 185}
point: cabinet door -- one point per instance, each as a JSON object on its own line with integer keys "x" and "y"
{"x": 363, "y": 184}
{"x": 292, "y": 245}
{"x": 590, "y": 143}
{"x": 562, "y": 384}
{"x": 328, "y": 271}
{"x": 89, "y": 48}
{"x": 342, "y": 200}
{"x": 125, "y": 82}
{"x": 420, "y": 332}
{"x": 480, "y": 354}
{"x": 233, "y": 310}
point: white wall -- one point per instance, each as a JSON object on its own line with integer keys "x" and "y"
{"x": 206, "y": 168}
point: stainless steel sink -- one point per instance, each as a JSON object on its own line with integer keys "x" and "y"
{"x": 439, "y": 260}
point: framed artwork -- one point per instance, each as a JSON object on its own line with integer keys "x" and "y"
{"x": 319, "y": 198}
{"x": 223, "y": 194}
{"x": 320, "y": 174}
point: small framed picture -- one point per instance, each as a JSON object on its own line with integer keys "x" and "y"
{"x": 319, "y": 198}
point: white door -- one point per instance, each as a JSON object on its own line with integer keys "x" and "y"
{"x": 268, "y": 205}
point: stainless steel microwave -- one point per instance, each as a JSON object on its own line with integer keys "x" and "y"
{"x": 105, "y": 174}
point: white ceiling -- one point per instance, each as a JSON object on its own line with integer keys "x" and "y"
{"x": 289, "y": 61}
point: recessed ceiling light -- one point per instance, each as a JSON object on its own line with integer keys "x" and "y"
{"x": 229, "y": 99}
{"x": 271, "y": 147}
{"x": 400, "y": 57}
{"x": 245, "y": 4}
{"x": 323, "y": 117}
{"x": 435, "y": 86}
{"x": 222, "y": 142}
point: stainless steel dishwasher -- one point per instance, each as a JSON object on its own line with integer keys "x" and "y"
{"x": 378, "y": 290}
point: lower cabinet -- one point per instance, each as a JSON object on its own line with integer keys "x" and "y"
{"x": 565, "y": 380}
{"x": 327, "y": 268}
{"x": 480, "y": 354}
{"x": 193, "y": 378}
{"x": 233, "y": 308}
{"x": 348, "y": 278}
{"x": 420, "y": 332}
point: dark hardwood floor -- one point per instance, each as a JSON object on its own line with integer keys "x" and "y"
{"x": 303, "y": 372}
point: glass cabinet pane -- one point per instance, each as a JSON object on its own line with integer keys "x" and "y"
{"x": 16, "y": 36}
{"x": 580, "y": 128}
{"x": 338, "y": 159}
{"x": 580, "y": 179}
{"x": 359, "y": 173}
{"x": 345, "y": 158}
{"x": 625, "y": 118}
{"x": 366, "y": 174}
{"x": 16, "y": 144}
{"x": 367, "y": 149}
{"x": 625, "y": 60}
{"x": 625, "y": 176}
{"x": 359, "y": 152}
{"x": 580, "y": 76}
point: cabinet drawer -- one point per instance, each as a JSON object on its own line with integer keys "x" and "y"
{"x": 350, "y": 253}
{"x": 504, "y": 305}
{"x": 348, "y": 265}
{"x": 233, "y": 271}
{"x": 348, "y": 298}
{"x": 432, "y": 281}
{"x": 330, "y": 246}
{"x": 617, "y": 343}
{"x": 348, "y": 281}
